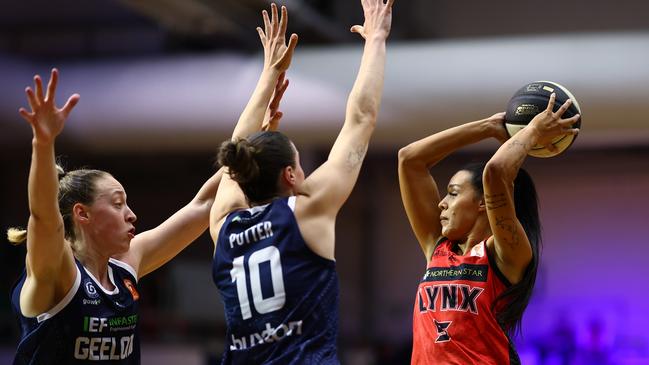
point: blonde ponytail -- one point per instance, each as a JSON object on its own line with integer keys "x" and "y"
{"x": 16, "y": 236}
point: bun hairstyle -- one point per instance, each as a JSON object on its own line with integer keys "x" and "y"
{"x": 76, "y": 186}
{"x": 239, "y": 158}
{"x": 256, "y": 162}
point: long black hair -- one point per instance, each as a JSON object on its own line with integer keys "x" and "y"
{"x": 517, "y": 296}
{"x": 256, "y": 162}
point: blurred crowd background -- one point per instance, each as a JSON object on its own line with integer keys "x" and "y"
{"x": 162, "y": 83}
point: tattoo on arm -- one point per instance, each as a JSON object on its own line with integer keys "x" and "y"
{"x": 510, "y": 236}
{"x": 355, "y": 157}
{"x": 518, "y": 144}
{"x": 495, "y": 201}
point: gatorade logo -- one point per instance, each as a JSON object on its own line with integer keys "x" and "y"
{"x": 90, "y": 289}
{"x": 131, "y": 288}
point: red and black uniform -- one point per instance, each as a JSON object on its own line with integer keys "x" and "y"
{"x": 454, "y": 321}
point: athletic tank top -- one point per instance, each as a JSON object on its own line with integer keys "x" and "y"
{"x": 280, "y": 298}
{"x": 454, "y": 321}
{"x": 90, "y": 325}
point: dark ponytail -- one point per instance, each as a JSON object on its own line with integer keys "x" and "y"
{"x": 516, "y": 297}
{"x": 256, "y": 162}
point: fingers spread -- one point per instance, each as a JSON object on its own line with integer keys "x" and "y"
{"x": 26, "y": 115}
{"x": 31, "y": 98}
{"x": 267, "y": 27}
{"x": 51, "y": 86}
{"x": 563, "y": 108}
{"x": 39, "y": 87}
{"x": 69, "y": 105}
{"x": 283, "y": 23}
{"x": 553, "y": 97}
{"x": 273, "y": 20}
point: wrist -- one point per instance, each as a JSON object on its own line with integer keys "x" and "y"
{"x": 42, "y": 142}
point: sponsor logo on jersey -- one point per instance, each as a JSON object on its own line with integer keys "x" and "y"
{"x": 468, "y": 272}
{"x": 268, "y": 335}
{"x": 90, "y": 289}
{"x": 131, "y": 288}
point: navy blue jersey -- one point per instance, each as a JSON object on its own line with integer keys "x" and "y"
{"x": 91, "y": 325}
{"x": 280, "y": 298}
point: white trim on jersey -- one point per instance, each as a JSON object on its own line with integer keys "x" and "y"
{"x": 124, "y": 266}
{"x": 257, "y": 209}
{"x": 64, "y": 302}
{"x": 291, "y": 202}
{"x": 110, "y": 277}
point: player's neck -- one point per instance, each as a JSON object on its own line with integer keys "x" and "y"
{"x": 96, "y": 264}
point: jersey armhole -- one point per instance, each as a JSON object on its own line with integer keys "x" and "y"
{"x": 64, "y": 302}
{"x": 439, "y": 242}
{"x": 494, "y": 266}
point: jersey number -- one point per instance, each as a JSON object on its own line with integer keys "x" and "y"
{"x": 238, "y": 272}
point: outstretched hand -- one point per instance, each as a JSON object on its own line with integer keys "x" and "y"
{"x": 45, "y": 118}
{"x": 378, "y": 19}
{"x": 273, "y": 115}
{"x": 277, "y": 54}
{"x": 550, "y": 125}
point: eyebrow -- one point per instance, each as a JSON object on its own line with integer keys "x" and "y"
{"x": 453, "y": 185}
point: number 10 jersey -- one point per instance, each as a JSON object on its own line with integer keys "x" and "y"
{"x": 281, "y": 299}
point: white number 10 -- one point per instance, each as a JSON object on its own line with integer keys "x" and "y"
{"x": 238, "y": 272}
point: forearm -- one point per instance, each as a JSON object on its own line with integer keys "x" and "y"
{"x": 207, "y": 192}
{"x": 365, "y": 98}
{"x": 43, "y": 184}
{"x": 432, "y": 149}
{"x": 253, "y": 115}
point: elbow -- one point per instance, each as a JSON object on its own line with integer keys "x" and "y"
{"x": 496, "y": 170}
{"x": 406, "y": 155}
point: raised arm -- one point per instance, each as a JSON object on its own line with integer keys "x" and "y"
{"x": 419, "y": 191}
{"x": 329, "y": 186}
{"x": 277, "y": 59}
{"x": 150, "y": 250}
{"x": 511, "y": 244}
{"x": 49, "y": 264}
{"x": 261, "y": 112}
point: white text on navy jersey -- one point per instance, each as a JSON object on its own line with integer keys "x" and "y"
{"x": 253, "y": 234}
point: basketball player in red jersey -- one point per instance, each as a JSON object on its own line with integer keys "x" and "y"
{"x": 481, "y": 241}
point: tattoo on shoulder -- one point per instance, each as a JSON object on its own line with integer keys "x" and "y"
{"x": 510, "y": 228}
{"x": 356, "y": 157}
{"x": 495, "y": 201}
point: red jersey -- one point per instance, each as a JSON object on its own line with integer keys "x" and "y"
{"x": 454, "y": 321}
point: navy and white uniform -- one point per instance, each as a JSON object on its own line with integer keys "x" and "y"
{"x": 280, "y": 298}
{"x": 91, "y": 325}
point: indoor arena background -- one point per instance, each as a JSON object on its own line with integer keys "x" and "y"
{"x": 162, "y": 84}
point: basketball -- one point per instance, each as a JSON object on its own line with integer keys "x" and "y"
{"x": 532, "y": 99}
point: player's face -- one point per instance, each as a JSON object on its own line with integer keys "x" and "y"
{"x": 460, "y": 207}
{"x": 110, "y": 220}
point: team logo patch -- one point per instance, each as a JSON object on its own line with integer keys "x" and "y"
{"x": 131, "y": 288}
{"x": 442, "y": 331}
{"x": 90, "y": 289}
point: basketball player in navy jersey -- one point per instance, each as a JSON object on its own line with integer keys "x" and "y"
{"x": 481, "y": 241}
{"x": 77, "y": 302}
{"x": 274, "y": 262}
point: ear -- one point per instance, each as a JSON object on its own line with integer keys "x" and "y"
{"x": 482, "y": 207}
{"x": 80, "y": 213}
{"x": 288, "y": 176}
